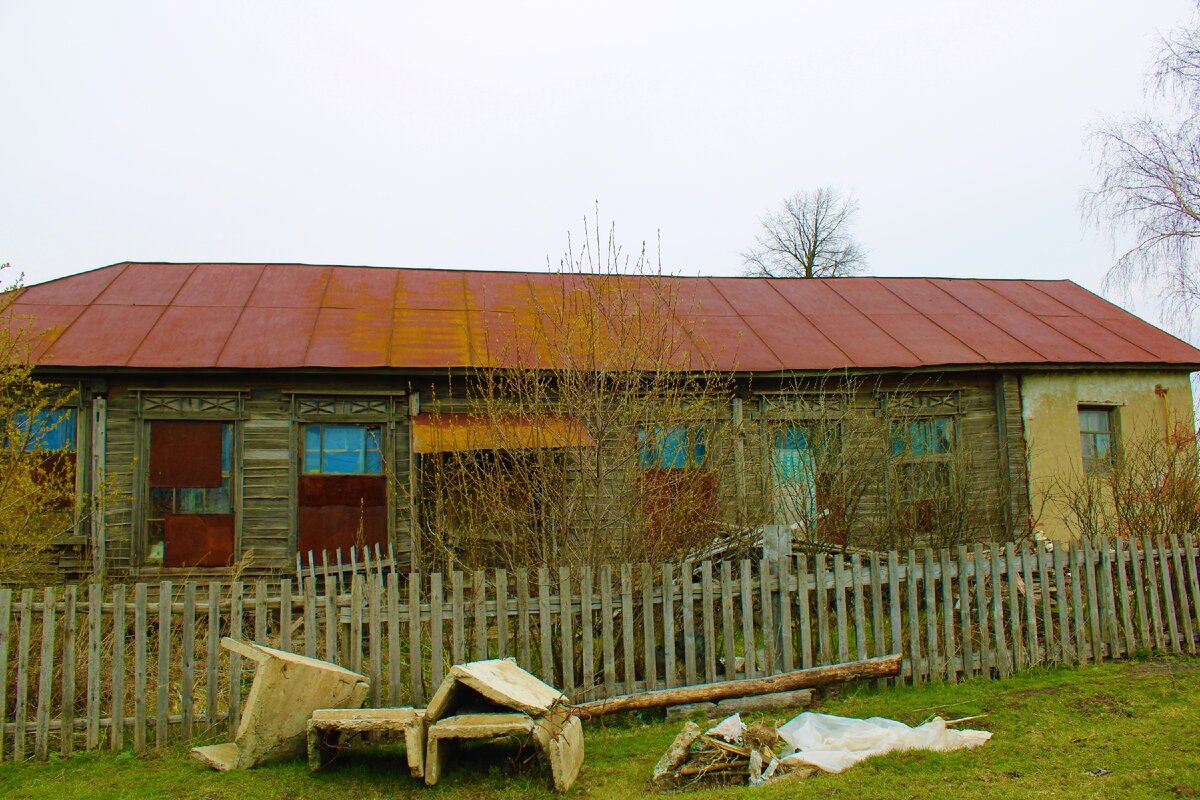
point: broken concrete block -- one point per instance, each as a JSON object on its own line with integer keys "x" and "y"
{"x": 494, "y": 685}
{"x": 287, "y": 688}
{"x": 442, "y": 733}
{"x": 331, "y": 730}
{"x": 563, "y": 745}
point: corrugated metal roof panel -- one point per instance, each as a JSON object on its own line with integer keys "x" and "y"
{"x": 292, "y": 315}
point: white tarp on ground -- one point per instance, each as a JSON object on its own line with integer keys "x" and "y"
{"x": 834, "y": 743}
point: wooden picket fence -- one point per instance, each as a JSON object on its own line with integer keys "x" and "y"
{"x": 87, "y": 667}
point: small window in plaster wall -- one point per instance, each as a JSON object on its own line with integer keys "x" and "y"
{"x": 1097, "y": 437}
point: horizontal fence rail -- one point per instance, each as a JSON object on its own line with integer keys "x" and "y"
{"x": 88, "y": 667}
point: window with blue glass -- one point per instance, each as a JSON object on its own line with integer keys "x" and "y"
{"x": 924, "y": 449}
{"x": 672, "y": 447}
{"x": 331, "y": 449}
{"x": 793, "y": 474}
{"x": 47, "y": 429}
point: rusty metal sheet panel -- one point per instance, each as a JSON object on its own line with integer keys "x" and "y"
{"x": 269, "y": 337}
{"x": 863, "y": 342}
{"x": 811, "y": 297}
{"x": 496, "y": 291}
{"x": 104, "y": 336}
{"x": 753, "y": 296}
{"x": 1163, "y": 345}
{"x": 452, "y": 433}
{"x": 338, "y": 527}
{"x": 342, "y": 490}
{"x": 290, "y": 286}
{"x": 1079, "y": 299}
{"x": 1109, "y": 345}
{"x": 219, "y": 285}
{"x": 186, "y": 337}
{"x": 40, "y": 326}
{"x": 925, "y": 296}
{"x": 930, "y": 343}
{"x": 361, "y": 287}
{"x": 344, "y": 337}
{"x": 80, "y": 289}
{"x": 146, "y": 285}
{"x": 1030, "y": 299}
{"x": 793, "y": 338}
{"x": 868, "y": 296}
{"x": 198, "y": 540}
{"x": 432, "y": 338}
{"x": 431, "y": 289}
{"x": 185, "y": 454}
{"x": 985, "y": 338}
{"x": 700, "y": 298}
{"x": 727, "y": 343}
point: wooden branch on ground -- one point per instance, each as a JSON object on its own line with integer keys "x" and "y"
{"x": 881, "y": 667}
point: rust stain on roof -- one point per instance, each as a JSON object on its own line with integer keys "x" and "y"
{"x": 264, "y": 316}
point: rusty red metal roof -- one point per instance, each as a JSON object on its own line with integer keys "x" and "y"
{"x": 279, "y": 316}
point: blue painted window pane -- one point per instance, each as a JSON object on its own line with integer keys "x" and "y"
{"x": 51, "y": 429}
{"x": 342, "y": 449}
{"x": 924, "y": 437}
{"x": 791, "y": 439}
{"x": 226, "y": 448}
{"x": 675, "y": 447}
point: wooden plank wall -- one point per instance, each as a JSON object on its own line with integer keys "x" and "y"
{"x": 74, "y": 660}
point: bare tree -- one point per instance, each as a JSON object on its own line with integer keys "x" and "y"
{"x": 809, "y": 237}
{"x": 1148, "y": 181}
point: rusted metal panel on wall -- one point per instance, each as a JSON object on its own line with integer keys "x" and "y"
{"x": 198, "y": 540}
{"x": 341, "y": 527}
{"x": 185, "y": 454}
{"x": 342, "y": 490}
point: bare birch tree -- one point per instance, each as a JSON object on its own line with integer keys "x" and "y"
{"x": 808, "y": 237}
{"x": 1148, "y": 181}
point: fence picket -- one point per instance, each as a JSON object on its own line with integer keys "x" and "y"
{"x": 523, "y": 657}
{"x": 1123, "y": 595}
{"x": 139, "y": 668}
{"x": 22, "y": 685}
{"x": 393, "y": 637}
{"x": 312, "y": 634}
{"x": 1031, "y": 623}
{"x": 804, "y": 629}
{"x": 66, "y": 729}
{"x": 479, "y": 625}
{"x": 766, "y": 617}
{"x": 566, "y": 624}
{"x": 1160, "y": 640}
{"x": 860, "y": 614}
{"x": 375, "y": 631}
{"x": 458, "y": 634}
{"x": 1043, "y": 559}
{"x": 786, "y": 654}
{"x": 839, "y": 602}
{"x": 707, "y": 617}
{"x": 627, "y": 614}
{"x": 947, "y": 585}
{"x": 934, "y": 667}
{"x": 821, "y": 592}
{"x": 5, "y": 615}
{"x": 986, "y": 661}
{"x": 187, "y": 688}
{"x": 163, "y": 682}
{"x": 1190, "y": 547}
{"x": 746, "y": 596}
{"x": 587, "y": 622}
{"x": 41, "y": 740}
{"x": 650, "y": 655}
{"x": 285, "y": 614}
{"x": 213, "y": 653}
{"x": 965, "y": 637}
{"x": 893, "y": 607}
{"x": 1185, "y": 618}
{"x": 95, "y": 645}
{"x": 501, "y": 577}
{"x": 915, "y": 672}
{"x": 1093, "y": 604}
{"x": 1108, "y": 600}
{"x": 236, "y": 612}
{"x": 688, "y": 606}
{"x": 876, "y": 607}
{"x": 356, "y": 620}
{"x": 436, "y": 646}
{"x": 1001, "y": 653}
{"x": 1081, "y": 653}
{"x": 416, "y": 672}
{"x": 117, "y": 712}
{"x": 728, "y": 664}
{"x": 1015, "y": 635}
{"x": 545, "y": 627}
{"x": 608, "y": 650}
{"x": 1164, "y": 573}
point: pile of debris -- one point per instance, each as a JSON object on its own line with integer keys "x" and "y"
{"x": 730, "y": 752}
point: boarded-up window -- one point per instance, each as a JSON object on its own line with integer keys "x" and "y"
{"x": 50, "y": 432}
{"x": 342, "y": 493}
{"x": 191, "y": 522}
{"x": 678, "y": 492}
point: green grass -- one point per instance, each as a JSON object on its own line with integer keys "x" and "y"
{"x": 1052, "y": 728}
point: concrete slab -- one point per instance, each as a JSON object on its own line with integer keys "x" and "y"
{"x": 500, "y": 683}
{"x": 287, "y": 688}
{"x": 331, "y": 731}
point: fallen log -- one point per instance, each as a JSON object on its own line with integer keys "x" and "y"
{"x": 882, "y": 667}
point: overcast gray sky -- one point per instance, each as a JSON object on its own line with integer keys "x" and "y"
{"x": 476, "y": 135}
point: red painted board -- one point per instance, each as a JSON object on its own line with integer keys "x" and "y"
{"x": 337, "y": 527}
{"x": 198, "y": 540}
{"x": 185, "y": 454}
{"x": 342, "y": 490}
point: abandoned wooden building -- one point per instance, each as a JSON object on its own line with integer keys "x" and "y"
{"x": 225, "y": 413}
